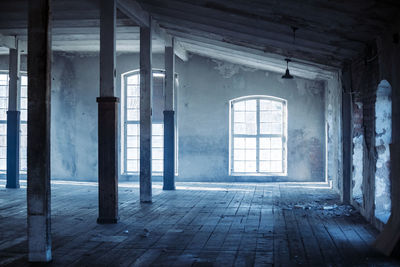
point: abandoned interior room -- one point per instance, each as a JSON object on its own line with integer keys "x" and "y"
{"x": 199, "y": 133}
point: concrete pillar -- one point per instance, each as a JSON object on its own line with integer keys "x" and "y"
{"x": 146, "y": 88}
{"x": 169, "y": 120}
{"x": 108, "y": 117}
{"x": 347, "y": 147}
{"x": 39, "y": 82}
{"x": 13, "y": 120}
{"x": 347, "y": 135}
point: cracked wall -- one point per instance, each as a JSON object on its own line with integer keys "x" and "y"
{"x": 383, "y": 138}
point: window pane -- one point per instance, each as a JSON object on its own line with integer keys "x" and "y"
{"x": 265, "y": 143}
{"x": 132, "y": 153}
{"x": 157, "y": 166}
{"x": 239, "y": 154}
{"x": 267, "y": 116}
{"x": 239, "y": 116}
{"x": 157, "y": 153}
{"x": 276, "y": 154}
{"x": 24, "y": 115}
{"x": 251, "y": 155}
{"x": 270, "y": 128}
{"x": 132, "y": 141}
{"x": 265, "y": 154}
{"x": 239, "y": 142}
{"x": 251, "y": 143}
{"x": 133, "y": 129}
{"x": 276, "y": 166}
{"x": 133, "y": 115}
{"x": 239, "y": 106}
{"x": 133, "y": 79}
{"x": 238, "y": 166}
{"x": 158, "y": 129}
{"x": 158, "y": 141}
{"x": 240, "y": 128}
{"x": 265, "y": 166}
{"x": 3, "y": 129}
{"x": 251, "y": 166}
{"x": 251, "y": 105}
{"x": 133, "y": 103}
{"x": 132, "y": 165}
{"x": 276, "y": 142}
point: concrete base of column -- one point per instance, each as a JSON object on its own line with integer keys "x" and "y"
{"x": 13, "y": 126}
{"x": 169, "y": 150}
{"x": 39, "y": 240}
{"x": 108, "y": 159}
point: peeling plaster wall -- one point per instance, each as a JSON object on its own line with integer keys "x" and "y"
{"x": 75, "y": 87}
{"x": 358, "y": 152}
{"x": 333, "y": 117}
{"x": 207, "y": 86}
{"x": 383, "y": 138}
{"x": 381, "y": 61}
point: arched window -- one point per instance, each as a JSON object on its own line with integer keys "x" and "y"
{"x": 383, "y": 137}
{"x": 131, "y": 123}
{"x": 4, "y": 83}
{"x": 258, "y": 136}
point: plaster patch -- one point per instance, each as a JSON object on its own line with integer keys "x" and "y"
{"x": 383, "y": 130}
{"x": 228, "y": 70}
{"x": 358, "y": 158}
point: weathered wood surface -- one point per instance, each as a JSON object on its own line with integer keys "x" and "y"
{"x": 199, "y": 224}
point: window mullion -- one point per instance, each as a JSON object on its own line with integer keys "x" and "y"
{"x": 125, "y": 124}
{"x": 258, "y": 137}
{"x": 233, "y": 136}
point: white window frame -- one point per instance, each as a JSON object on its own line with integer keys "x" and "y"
{"x": 124, "y": 123}
{"x": 22, "y": 153}
{"x": 283, "y": 135}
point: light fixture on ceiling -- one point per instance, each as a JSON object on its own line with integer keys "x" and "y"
{"x": 287, "y": 73}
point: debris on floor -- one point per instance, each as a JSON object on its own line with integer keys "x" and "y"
{"x": 326, "y": 208}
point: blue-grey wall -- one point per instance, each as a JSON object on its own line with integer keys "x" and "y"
{"x": 205, "y": 88}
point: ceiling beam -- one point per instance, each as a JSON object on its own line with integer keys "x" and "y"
{"x": 255, "y": 61}
{"x": 8, "y": 41}
{"x": 250, "y": 41}
{"x": 278, "y": 30}
{"x": 134, "y": 11}
{"x": 186, "y": 38}
{"x": 180, "y": 51}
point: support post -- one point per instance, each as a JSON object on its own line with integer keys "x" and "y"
{"x": 39, "y": 82}
{"x": 169, "y": 120}
{"x": 146, "y": 88}
{"x": 108, "y": 117}
{"x": 13, "y": 119}
{"x": 347, "y": 133}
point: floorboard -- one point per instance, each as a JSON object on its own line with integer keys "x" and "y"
{"x": 199, "y": 224}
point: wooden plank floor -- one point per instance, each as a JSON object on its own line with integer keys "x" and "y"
{"x": 199, "y": 224}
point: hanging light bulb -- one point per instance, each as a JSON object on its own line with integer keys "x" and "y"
{"x": 287, "y": 73}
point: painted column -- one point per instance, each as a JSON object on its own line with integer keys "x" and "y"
{"x": 108, "y": 117}
{"x": 347, "y": 133}
{"x": 39, "y": 83}
{"x": 146, "y": 88}
{"x": 169, "y": 120}
{"x": 13, "y": 120}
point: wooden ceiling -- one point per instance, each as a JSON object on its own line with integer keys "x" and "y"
{"x": 257, "y": 33}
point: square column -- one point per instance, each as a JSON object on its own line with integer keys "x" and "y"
{"x": 169, "y": 119}
{"x": 13, "y": 120}
{"x": 146, "y": 88}
{"x": 108, "y": 117}
{"x": 39, "y": 82}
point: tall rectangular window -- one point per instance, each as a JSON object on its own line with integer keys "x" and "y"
{"x": 4, "y": 83}
{"x": 258, "y": 136}
{"x": 131, "y": 109}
